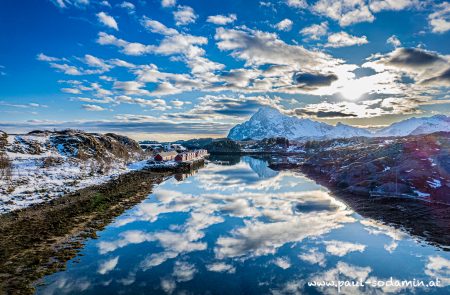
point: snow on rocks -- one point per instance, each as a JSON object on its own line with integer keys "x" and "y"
{"x": 43, "y": 165}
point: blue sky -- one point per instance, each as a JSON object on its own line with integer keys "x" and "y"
{"x": 169, "y": 69}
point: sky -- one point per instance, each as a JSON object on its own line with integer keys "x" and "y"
{"x": 174, "y": 69}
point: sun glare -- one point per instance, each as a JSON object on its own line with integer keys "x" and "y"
{"x": 353, "y": 90}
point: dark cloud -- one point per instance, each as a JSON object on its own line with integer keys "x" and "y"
{"x": 413, "y": 57}
{"x": 323, "y": 114}
{"x": 442, "y": 78}
{"x": 313, "y": 80}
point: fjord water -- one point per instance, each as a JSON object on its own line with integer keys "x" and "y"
{"x": 243, "y": 228}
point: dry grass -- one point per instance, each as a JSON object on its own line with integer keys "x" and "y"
{"x": 5, "y": 167}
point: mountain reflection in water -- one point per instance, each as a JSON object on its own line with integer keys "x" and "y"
{"x": 246, "y": 229}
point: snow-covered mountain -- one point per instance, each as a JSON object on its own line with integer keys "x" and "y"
{"x": 416, "y": 126}
{"x": 269, "y": 122}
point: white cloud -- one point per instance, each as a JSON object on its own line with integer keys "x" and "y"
{"x": 71, "y": 90}
{"x": 184, "y": 15}
{"x": 66, "y": 69}
{"x": 346, "y": 12}
{"x": 43, "y": 57}
{"x": 96, "y": 62}
{"x": 297, "y": 3}
{"x": 379, "y": 5}
{"x": 222, "y": 19}
{"x": 67, "y": 3}
{"x": 168, "y": 285}
{"x": 438, "y": 267}
{"x": 282, "y": 262}
{"x": 130, "y": 48}
{"x": 259, "y": 48}
{"x": 93, "y": 108}
{"x": 105, "y": 3}
{"x": 315, "y": 31}
{"x": 107, "y": 20}
{"x": 183, "y": 271}
{"x": 313, "y": 256}
{"x": 343, "y": 39}
{"x": 108, "y": 265}
{"x": 168, "y": 3}
{"x": 130, "y": 7}
{"x": 177, "y": 103}
{"x": 394, "y": 41}
{"x": 221, "y": 267}
{"x": 440, "y": 19}
{"x": 157, "y": 27}
{"x": 341, "y": 249}
{"x": 284, "y": 25}
{"x": 131, "y": 87}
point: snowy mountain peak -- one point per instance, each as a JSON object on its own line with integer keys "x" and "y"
{"x": 269, "y": 122}
{"x": 266, "y": 113}
{"x": 415, "y": 126}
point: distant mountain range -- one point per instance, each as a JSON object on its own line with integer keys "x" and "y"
{"x": 268, "y": 122}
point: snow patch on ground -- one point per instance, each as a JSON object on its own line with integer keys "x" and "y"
{"x": 434, "y": 183}
{"x": 37, "y": 178}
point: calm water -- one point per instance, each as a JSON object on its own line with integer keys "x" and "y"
{"x": 246, "y": 229}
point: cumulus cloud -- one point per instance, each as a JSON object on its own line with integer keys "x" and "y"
{"x": 297, "y": 3}
{"x": 379, "y": 5}
{"x": 315, "y": 31}
{"x": 438, "y": 267}
{"x": 394, "y": 41}
{"x": 67, "y": 69}
{"x": 130, "y": 48}
{"x": 343, "y": 39}
{"x": 184, "y": 15}
{"x": 68, "y": 3}
{"x": 422, "y": 65}
{"x": 221, "y": 267}
{"x": 284, "y": 25}
{"x": 108, "y": 265}
{"x": 43, "y": 57}
{"x": 107, "y": 20}
{"x": 440, "y": 19}
{"x": 130, "y": 7}
{"x": 168, "y": 3}
{"x": 346, "y": 12}
{"x": 131, "y": 87}
{"x": 341, "y": 249}
{"x": 282, "y": 262}
{"x": 313, "y": 256}
{"x": 184, "y": 271}
{"x": 221, "y": 20}
{"x": 259, "y": 48}
{"x": 93, "y": 108}
{"x": 96, "y": 62}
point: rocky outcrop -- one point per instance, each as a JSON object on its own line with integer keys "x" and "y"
{"x": 412, "y": 166}
{"x": 41, "y": 165}
{"x": 76, "y": 144}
